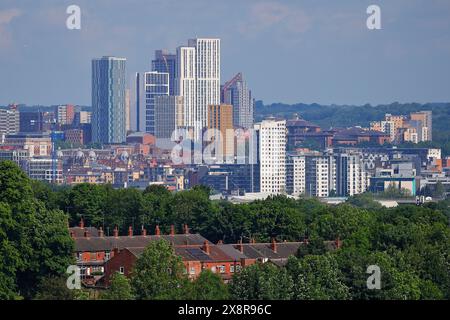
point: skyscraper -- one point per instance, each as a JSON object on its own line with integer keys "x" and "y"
{"x": 220, "y": 117}
{"x": 9, "y": 121}
{"x": 168, "y": 115}
{"x": 166, "y": 63}
{"x": 272, "y": 155}
{"x": 155, "y": 84}
{"x": 236, "y": 93}
{"x": 186, "y": 82}
{"x": 108, "y": 100}
{"x": 207, "y": 57}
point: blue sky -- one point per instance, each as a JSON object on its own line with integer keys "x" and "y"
{"x": 289, "y": 51}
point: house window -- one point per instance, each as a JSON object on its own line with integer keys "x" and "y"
{"x": 192, "y": 271}
{"x": 107, "y": 255}
{"x": 213, "y": 269}
{"x": 122, "y": 270}
{"x": 232, "y": 269}
{"x": 221, "y": 269}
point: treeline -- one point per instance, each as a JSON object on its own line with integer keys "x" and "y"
{"x": 410, "y": 244}
{"x": 328, "y": 116}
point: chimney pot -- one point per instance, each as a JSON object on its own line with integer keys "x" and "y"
{"x": 81, "y": 223}
{"x": 206, "y": 247}
{"x": 186, "y": 229}
{"x": 240, "y": 246}
{"x": 172, "y": 230}
{"x": 252, "y": 241}
{"x": 157, "y": 231}
{"x": 144, "y": 231}
{"x": 72, "y": 234}
{"x": 130, "y": 231}
{"x": 338, "y": 243}
{"x": 274, "y": 245}
{"x": 220, "y": 242}
{"x": 86, "y": 234}
{"x": 100, "y": 232}
{"x": 116, "y": 232}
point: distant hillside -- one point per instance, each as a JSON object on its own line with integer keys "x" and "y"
{"x": 345, "y": 116}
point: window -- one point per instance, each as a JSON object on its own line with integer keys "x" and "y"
{"x": 122, "y": 270}
{"x": 192, "y": 270}
{"x": 221, "y": 269}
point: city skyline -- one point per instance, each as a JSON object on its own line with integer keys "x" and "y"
{"x": 319, "y": 52}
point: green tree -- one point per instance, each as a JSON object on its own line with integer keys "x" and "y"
{"x": 53, "y": 288}
{"x": 262, "y": 282}
{"x": 120, "y": 288}
{"x": 158, "y": 273}
{"x": 209, "y": 286}
{"x": 317, "y": 277}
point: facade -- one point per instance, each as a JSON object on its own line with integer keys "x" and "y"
{"x": 74, "y": 136}
{"x": 236, "y": 93}
{"x": 220, "y": 117}
{"x": 9, "y": 122}
{"x": 207, "y": 61}
{"x": 351, "y": 176}
{"x": 65, "y": 114}
{"x": 425, "y": 118}
{"x": 272, "y": 155}
{"x": 108, "y": 100}
{"x": 320, "y": 175}
{"x": 186, "y": 85}
{"x": 166, "y": 62}
{"x": 44, "y": 169}
{"x": 155, "y": 84}
{"x": 295, "y": 174}
{"x": 169, "y": 115}
{"x": 35, "y": 144}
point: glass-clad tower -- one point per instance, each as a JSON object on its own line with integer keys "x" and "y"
{"x": 108, "y": 100}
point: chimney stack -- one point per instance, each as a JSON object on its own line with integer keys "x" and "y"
{"x": 144, "y": 231}
{"x": 86, "y": 234}
{"x": 81, "y": 223}
{"x": 130, "y": 231}
{"x": 338, "y": 243}
{"x": 252, "y": 240}
{"x": 240, "y": 246}
{"x": 186, "y": 229}
{"x": 100, "y": 232}
{"x": 220, "y": 242}
{"x": 116, "y": 232}
{"x": 274, "y": 245}
{"x": 206, "y": 247}
{"x": 157, "y": 231}
{"x": 172, "y": 230}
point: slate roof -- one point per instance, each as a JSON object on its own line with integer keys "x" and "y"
{"x": 94, "y": 244}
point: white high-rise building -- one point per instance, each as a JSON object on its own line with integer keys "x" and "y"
{"x": 320, "y": 175}
{"x": 351, "y": 176}
{"x": 272, "y": 155}
{"x": 296, "y": 174}
{"x": 207, "y": 56}
{"x": 9, "y": 122}
{"x": 185, "y": 79}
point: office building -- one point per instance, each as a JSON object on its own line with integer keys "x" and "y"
{"x": 166, "y": 62}
{"x": 108, "y": 100}
{"x": 65, "y": 114}
{"x": 9, "y": 121}
{"x": 320, "y": 175}
{"x": 220, "y": 117}
{"x": 236, "y": 93}
{"x": 186, "y": 83}
{"x": 207, "y": 68}
{"x": 425, "y": 133}
{"x": 351, "y": 175}
{"x": 295, "y": 174}
{"x": 272, "y": 155}
{"x": 169, "y": 115}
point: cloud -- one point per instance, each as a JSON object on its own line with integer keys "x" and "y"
{"x": 6, "y": 16}
{"x": 274, "y": 15}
